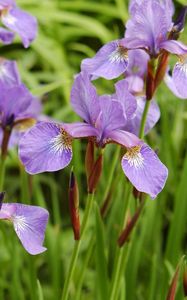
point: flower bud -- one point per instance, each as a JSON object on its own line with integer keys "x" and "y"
{"x": 162, "y": 67}
{"x": 74, "y": 205}
{"x": 150, "y": 81}
{"x": 178, "y": 24}
{"x": 95, "y": 174}
{"x": 173, "y": 285}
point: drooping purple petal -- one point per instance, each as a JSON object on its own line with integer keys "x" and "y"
{"x": 133, "y": 124}
{"x": 6, "y": 36}
{"x": 171, "y": 85}
{"x": 127, "y": 100}
{"x": 179, "y": 76}
{"x": 138, "y": 60}
{"x": 22, "y": 23}
{"x": 144, "y": 170}
{"x": 46, "y": 147}
{"x": 84, "y": 98}
{"x": 9, "y": 74}
{"x": 29, "y": 223}
{"x": 136, "y": 84}
{"x": 174, "y": 47}
{"x": 109, "y": 62}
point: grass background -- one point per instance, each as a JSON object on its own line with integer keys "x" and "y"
{"x": 68, "y": 32}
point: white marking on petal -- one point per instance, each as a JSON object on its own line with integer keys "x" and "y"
{"x": 20, "y": 223}
{"x": 182, "y": 64}
{"x": 118, "y": 55}
{"x": 134, "y": 157}
{"x": 9, "y": 18}
{"x": 61, "y": 142}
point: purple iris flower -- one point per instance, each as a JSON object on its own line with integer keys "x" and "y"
{"x": 17, "y": 21}
{"x": 9, "y": 74}
{"x": 29, "y": 224}
{"x": 48, "y": 146}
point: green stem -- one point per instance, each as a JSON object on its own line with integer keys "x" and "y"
{"x": 75, "y": 253}
{"x": 144, "y": 118}
{"x": 120, "y": 253}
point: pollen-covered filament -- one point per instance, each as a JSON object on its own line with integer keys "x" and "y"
{"x": 118, "y": 55}
{"x": 134, "y": 157}
{"x": 61, "y": 142}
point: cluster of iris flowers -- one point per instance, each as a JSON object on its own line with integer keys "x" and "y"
{"x": 122, "y": 118}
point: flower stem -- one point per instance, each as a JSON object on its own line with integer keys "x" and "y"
{"x": 89, "y": 202}
{"x": 120, "y": 253}
{"x": 144, "y": 118}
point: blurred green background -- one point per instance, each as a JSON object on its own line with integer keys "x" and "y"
{"x": 70, "y": 31}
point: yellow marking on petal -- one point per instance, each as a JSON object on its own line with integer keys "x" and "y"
{"x": 134, "y": 156}
{"x": 62, "y": 141}
{"x": 24, "y": 124}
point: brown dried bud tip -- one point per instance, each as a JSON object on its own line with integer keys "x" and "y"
{"x": 185, "y": 281}
{"x": 129, "y": 227}
{"x": 89, "y": 159}
{"x": 162, "y": 67}
{"x": 74, "y": 205}
{"x": 95, "y": 174}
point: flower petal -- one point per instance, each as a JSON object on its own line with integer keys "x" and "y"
{"x": 6, "y": 37}
{"x": 174, "y": 47}
{"x": 84, "y": 98}
{"x": 46, "y": 147}
{"x": 123, "y": 138}
{"x": 170, "y": 82}
{"x": 153, "y": 116}
{"x": 109, "y": 62}
{"x": 127, "y": 100}
{"x": 9, "y": 74}
{"x": 180, "y": 78}
{"x": 29, "y": 223}
{"x": 22, "y": 23}
{"x": 144, "y": 170}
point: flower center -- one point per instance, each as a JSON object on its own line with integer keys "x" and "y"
{"x": 61, "y": 142}
{"x": 134, "y": 157}
{"x": 118, "y": 55}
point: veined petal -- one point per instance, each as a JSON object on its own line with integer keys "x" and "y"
{"x": 84, "y": 98}
{"x": 29, "y": 223}
{"x": 127, "y": 100}
{"x": 133, "y": 125}
{"x": 109, "y": 62}
{"x": 22, "y": 23}
{"x": 180, "y": 77}
{"x": 6, "y": 37}
{"x": 174, "y": 47}
{"x": 169, "y": 80}
{"x": 9, "y": 74}
{"x": 46, "y": 147}
{"x": 136, "y": 83}
{"x": 144, "y": 170}
{"x": 123, "y": 138}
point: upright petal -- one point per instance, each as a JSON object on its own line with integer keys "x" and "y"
{"x": 84, "y": 98}
{"x": 22, "y": 23}
{"x": 112, "y": 116}
{"x": 29, "y": 223}
{"x": 9, "y": 74}
{"x": 109, "y": 62}
{"x": 144, "y": 170}
{"x": 127, "y": 100}
{"x": 46, "y": 147}
{"x": 133, "y": 124}
{"x": 6, "y": 37}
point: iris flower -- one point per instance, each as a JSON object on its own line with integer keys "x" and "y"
{"x": 48, "y": 146}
